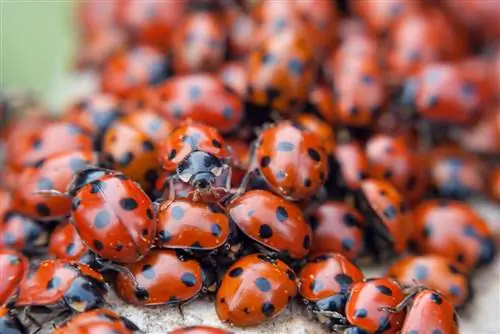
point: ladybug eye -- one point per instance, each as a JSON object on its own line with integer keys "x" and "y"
{"x": 217, "y": 171}
{"x": 185, "y": 177}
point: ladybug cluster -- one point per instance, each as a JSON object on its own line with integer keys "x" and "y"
{"x": 253, "y": 153}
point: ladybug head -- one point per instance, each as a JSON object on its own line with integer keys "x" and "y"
{"x": 86, "y": 176}
{"x": 200, "y": 169}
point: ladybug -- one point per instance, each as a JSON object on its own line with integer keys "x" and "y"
{"x": 438, "y": 312}
{"x": 5, "y": 202}
{"x": 337, "y": 228}
{"x": 54, "y": 173}
{"x": 199, "y": 330}
{"x": 281, "y": 72}
{"x": 145, "y": 99}
{"x": 320, "y": 128}
{"x": 240, "y": 29}
{"x": 66, "y": 244}
{"x": 199, "y": 43}
{"x": 254, "y": 289}
{"x": 98, "y": 45}
{"x": 484, "y": 136}
{"x": 233, "y": 75}
{"x": 13, "y": 269}
{"x": 22, "y": 233}
{"x": 94, "y": 114}
{"x": 436, "y": 272}
{"x": 113, "y": 216}
{"x": 325, "y": 282}
{"x": 201, "y": 98}
{"x": 293, "y": 162}
{"x": 192, "y": 226}
{"x": 494, "y": 184}
{"x": 387, "y": 212}
{"x": 391, "y": 158}
{"x": 197, "y": 154}
{"x": 131, "y": 70}
{"x": 465, "y": 239}
{"x": 368, "y": 304}
{"x": 186, "y": 279}
{"x": 131, "y": 146}
{"x": 59, "y": 285}
{"x": 94, "y": 16}
{"x": 98, "y": 321}
{"x": 9, "y": 323}
{"x": 321, "y": 103}
{"x": 273, "y": 223}
{"x": 240, "y": 159}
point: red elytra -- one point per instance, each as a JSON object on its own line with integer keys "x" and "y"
{"x": 255, "y": 289}
{"x": 352, "y": 165}
{"x": 233, "y": 74}
{"x": 65, "y": 243}
{"x": 320, "y": 128}
{"x": 273, "y": 222}
{"x": 321, "y": 102}
{"x": 13, "y": 269}
{"x": 97, "y": 321}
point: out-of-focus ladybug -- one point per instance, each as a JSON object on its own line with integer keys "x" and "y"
{"x": 135, "y": 69}
{"x": 348, "y": 169}
{"x": 233, "y": 74}
{"x": 255, "y": 289}
{"x": 484, "y": 136}
{"x": 145, "y": 99}
{"x": 94, "y": 114}
{"x": 240, "y": 31}
{"x": 131, "y": 146}
{"x": 281, "y": 72}
{"x": 98, "y": 321}
{"x": 387, "y": 214}
{"x": 455, "y": 173}
{"x": 273, "y": 223}
{"x": 320, "y": 128}
{"x": 95, "y": 15}
{"x": 58, "y": 286}
{"x": 477, "y": 73}
{"x": 54, "y": 173}
{"x": 5, "y": 202}
{"x": 393, "y": 160}
{"x": 199, "y": 43}
{"x": 325, "y": 282}
{"x": 337, "y": 228}
{"x": 465, "y": 238}
{"x": 13, "y": 269}
{"x": 193, "y": 227}
{"x": 22, "y": 233}
{"x": 321, "y": 103}
{"x": 9, "y": 176}
{"x": 98, "y": 45}
{"x": 293, "y": 162}
{"x": 66, "y": 244}
{"x": 200, "y": 98}
{"x": 435, "y": 272}
{"x": 199, "y": 330}
{"x": 9, "y": 323}
{"x": 186, "y": 280}
{"x": 197, "y": 155}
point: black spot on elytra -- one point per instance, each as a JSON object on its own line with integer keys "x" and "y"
{"x": 272, "y": 93}
{"x": 236, "y": 272}
{"x": 128, "y": 204}
{"x": 148, "y": 271}
{"x": 172, "y": 155}
{"x": 149, "y": 213}
{"x": 350, "y": 221}
{"x": 265, "y": 161}
{"x": 102, "y": 219}
{"x": 388, "y": 174}
{"x": 460, "y": 258}
{"x": 216, "y": 230}
{"x": 411, "y": 182}
{"x": 125, "y": 159}
{"x": 360, "y": 313}
{"x": 436, "y": 298}
{"x": 141, "y": 294}
{"x": 453, "y": 269}
{"x": 42, "y": 209}
{"x": 347, "y": 244}
{"x": 390, "y": 212}
{"x": 285, "y": 146}
{"x": 313, "y": 154}
{"x": 98, "y": 245}
{"x": 227, "y": 112}
{"x": 70, "y": 249}
{"x": 148, "y": 146}
{"x": 145, "y": 232}
{"x": 177, "y": 213}
{"x": 53, "y": 283}
{"x": 384, "y": 290}
{"x": 426, "y": 231}
{"x": 313, "y": 222}
{"x": 37, "y": 144}
{"x": 353, "y": 111}
{"x": 216, "y": 143}
{"x": 151, "y": 176}
{"x": 455, "y": 290}
{"x": 265, "y": 231}
{"x": 281, "y": 214}
{"x": 343, "y": 280}
{"x": 45, "y": 184}
{"x": 307, "y": 182}
{"x": 188, "y": 280}
{"x": 316, "y": 285}
{"x": 263, "y": 284}
{"x": 268, "y": 309}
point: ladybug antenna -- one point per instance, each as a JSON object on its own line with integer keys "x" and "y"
{"x": 52, "y": 193}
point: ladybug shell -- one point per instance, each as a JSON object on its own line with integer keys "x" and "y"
{"x": 465, "y": 238}
{"x": 190, "y": 137}
{"x": 66, "y": 244}
{"x": 59, "y": 274}
{"x": 320, "y": 128}
{"x": 438, "y": 312}
{"x": 391, "y": 209}
{"x": 141, "y": 100}
{"x": 9, "y": 322}
{"x": 364, "y": 303}
{"x": 293, "y": 162}
{"x": 184, "y": 277}
{"x": 22, "y": 233}
{"x": 150, "y": 123}
{"x": 50, "y": 140}
{"x": 132, "y": 70}
{"x": 272, "y": 221}
{"x": 337, "y": 228}
{"x": 352, "y": 164}
{"x": 435, "y": 272}
{"x": 13, "y": 268}
{"x": 115, "y": 218}
{"x": 98, "y": 45}
{"x": 54, "y": 173}
{"x": 201, "y": 98}
{"x": 192, "y": 225}
{"x": 199, "y": 43}
{"x": 240, "y": 30}
{"x": 97, "y": 321}
{"x": 254, "y": 289}
{"x": 484, "y": 136}
{"x": 328, "y": 275}
{"x": 200, "y": 330}
{"x": 234, "y": 75}
{"x": 281, "y": 72}
{"x": 322, "y": 102}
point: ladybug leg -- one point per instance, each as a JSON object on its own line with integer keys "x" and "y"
{"x": 119, "y": 269}
{"x": 179, "y": 307}
{"x": 405, "y": 302}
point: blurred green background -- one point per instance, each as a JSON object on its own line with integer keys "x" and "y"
{"x": 37, "y": 38}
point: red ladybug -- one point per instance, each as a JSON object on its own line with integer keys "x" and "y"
{"x": 22, "y": 233}
{"x": 199, "y": 330}
{"x": 234, "y": 75}
{"x": 112, "y": 215}
{"x": 66, "y": 244}
{"x": 337, "y": 228}
{"x": 201, "y": 98}
{"x": 293, "y": 162}
{"x": 436, "y": 272}
{"x": 465, "y": 239}
{"x": 197, "y": 154}
{"x": 54, "y": 173}
{"x": 325, "y": 282}
{"x": 255, "y": 289}
{"x": 98, "y": 45}
{"x": 240, "y": 30}
{"x": 13, "y": 269}
{"x": 186, "y": 280}
{"x": 322, "y": 103}
{"x": 61, "y": 285}
{"x": 273, "y": 222}
{"x": 320, "y": 128}
{"x": 350, "y": 167}
{"x": 98, "y": 321}
{"x": 192, "y": 226}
